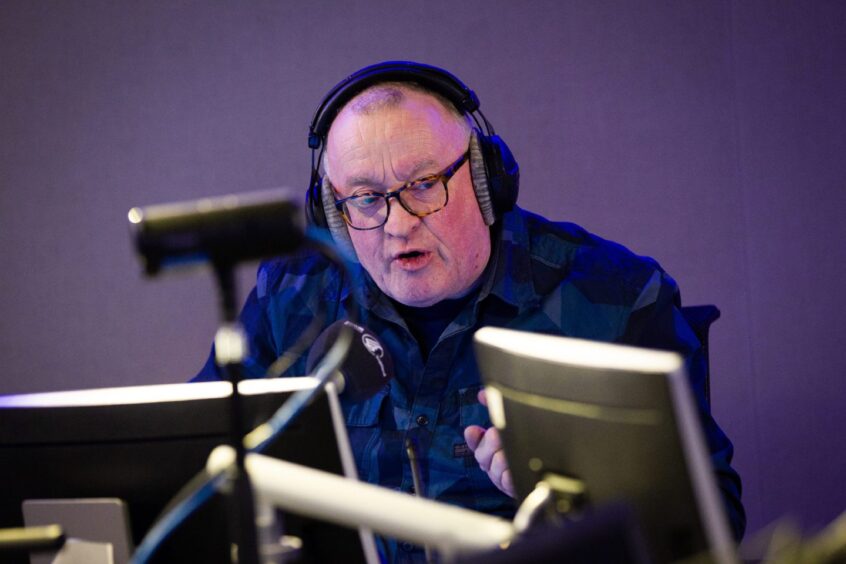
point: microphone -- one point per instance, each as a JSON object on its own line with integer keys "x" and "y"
{"x": 223, "y": 230}
{"x": 367, "y": 367}
{"x": 342, "y": 348}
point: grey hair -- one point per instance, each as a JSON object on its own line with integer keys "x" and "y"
{"x": 390, "y": 95}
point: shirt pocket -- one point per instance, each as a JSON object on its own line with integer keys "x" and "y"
{"x": 362, "y": 420}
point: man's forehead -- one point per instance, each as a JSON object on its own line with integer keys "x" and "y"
{"x": 363, "y": 167}
{"x": 393, "y": 143}
{"x": 402, "y": 111}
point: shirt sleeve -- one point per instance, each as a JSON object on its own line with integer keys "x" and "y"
{"x": 253, "y": 319}
{"x": 657, "y": 323}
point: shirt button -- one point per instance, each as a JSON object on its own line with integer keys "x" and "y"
{"x": 422, "y": 420}
{"x": 407, "y": 546}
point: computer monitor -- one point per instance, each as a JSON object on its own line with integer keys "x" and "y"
{"x": 144, "y": 443}
{"x": 603, "y": 423}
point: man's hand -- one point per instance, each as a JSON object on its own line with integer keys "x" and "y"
{"x": 487, "y": 449}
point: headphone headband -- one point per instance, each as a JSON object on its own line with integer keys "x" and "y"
{"x": 432, "y": 78}
{"x": 494, "y": 172}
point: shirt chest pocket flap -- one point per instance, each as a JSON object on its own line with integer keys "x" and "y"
{"x": 362, "y": 419}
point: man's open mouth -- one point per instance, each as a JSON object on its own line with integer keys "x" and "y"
{"x": 412, "y": 260}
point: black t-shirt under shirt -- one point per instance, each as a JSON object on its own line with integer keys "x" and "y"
{"x": 428, "y": 323}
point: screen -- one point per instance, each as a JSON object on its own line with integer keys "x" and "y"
{"x": 143, "y": 444}
{"x": 601, "y": 424}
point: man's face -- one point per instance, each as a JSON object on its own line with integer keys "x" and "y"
{"x": 416, "y": 261}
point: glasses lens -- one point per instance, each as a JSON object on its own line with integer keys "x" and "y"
{"x": 366, "y": 211}
{"x": 424, "y": 196}
{"x": 370, "y": 210}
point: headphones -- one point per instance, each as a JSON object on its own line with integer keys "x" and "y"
{"x": 494, "y": 171}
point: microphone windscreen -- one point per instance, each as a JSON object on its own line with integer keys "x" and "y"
{"x": 367, "y": 367}
{"x": 223, "y": 230}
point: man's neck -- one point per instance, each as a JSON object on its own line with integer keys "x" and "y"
{"x": 427, "y": 324}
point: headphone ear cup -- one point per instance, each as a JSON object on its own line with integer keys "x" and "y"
{"x": 503, "y": 173}
{"x": 479, "y": 175}
{"x": 496, "y": 175}
{"x": 334, "y": 222}
{"x": 313, "y": 202}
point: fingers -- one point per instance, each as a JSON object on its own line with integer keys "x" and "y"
{"x": 473, "y": 436}
{"x": 507, "y": 483}
{"x": 482, "y": 397}
{"x": 498, "y": 467}
{"x": 500, "y": 475}
{"x": 490, "y": 456}
{"x": 487, "y": 448}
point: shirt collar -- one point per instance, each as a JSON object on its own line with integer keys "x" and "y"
{"x": 510, "y": 270}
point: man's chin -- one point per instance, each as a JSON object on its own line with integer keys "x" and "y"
{"x": 417, "y": 302}
{"x": 416, "y": 299}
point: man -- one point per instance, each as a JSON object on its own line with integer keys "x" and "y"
{"x": 404, "y": 189}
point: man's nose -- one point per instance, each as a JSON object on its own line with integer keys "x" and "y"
{"x": 400, "y": 222}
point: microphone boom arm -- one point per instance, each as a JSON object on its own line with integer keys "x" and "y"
{"x": 317, "y": 494}
{"x": 260, "y": 437}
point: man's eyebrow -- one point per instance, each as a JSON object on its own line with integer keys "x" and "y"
{"x": 421, "y": 166}
{"x": 414, "y": 173}
{"x": 357, "y": 181}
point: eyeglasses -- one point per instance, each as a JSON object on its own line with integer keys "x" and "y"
{"x": 368, "y": 209}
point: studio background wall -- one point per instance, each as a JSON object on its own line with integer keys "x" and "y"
{"x": 709, "y": 135}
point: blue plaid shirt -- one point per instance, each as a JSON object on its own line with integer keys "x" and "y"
{"x": 544, "y": 277}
